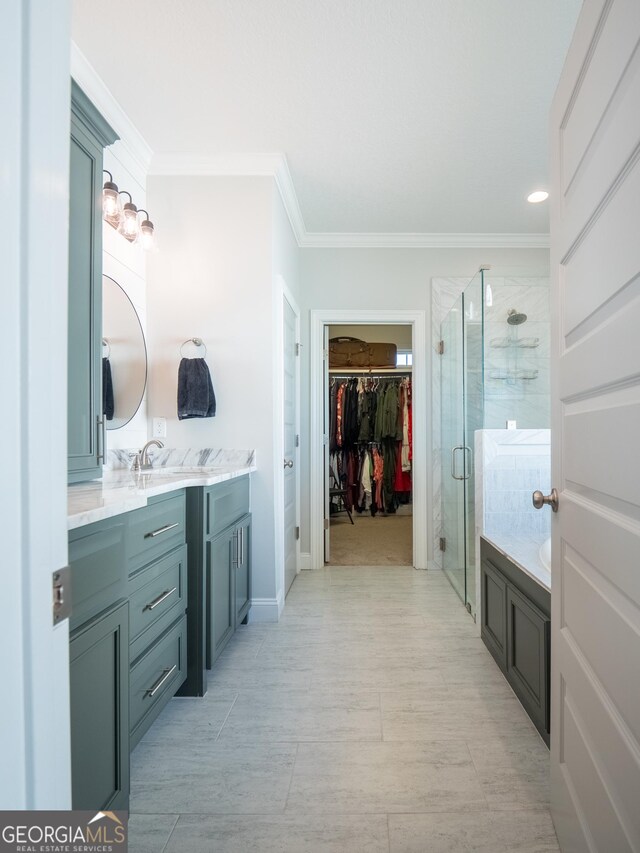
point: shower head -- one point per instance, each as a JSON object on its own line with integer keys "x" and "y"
{"x": 516, "y": 319}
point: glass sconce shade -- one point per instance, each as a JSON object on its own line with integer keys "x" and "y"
{"x": 147, "y": 234}
{"x": 111, "y": 206}
{"x": 147, "y": 231}
{"x": 129, "y": 227}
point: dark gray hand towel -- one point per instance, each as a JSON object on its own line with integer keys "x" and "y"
{"x": 195, "y": 390}
{"x": 107, "y": 390}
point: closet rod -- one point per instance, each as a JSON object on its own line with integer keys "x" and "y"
{"x": 336, "y": 373}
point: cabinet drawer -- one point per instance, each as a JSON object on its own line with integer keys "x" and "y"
{"x": 98, "y": 571}
{"x": 157, "y": 596}
{"x": 155, "y": 529}
{"x": 155, "y": 678}
{"x": 226, "y": 503}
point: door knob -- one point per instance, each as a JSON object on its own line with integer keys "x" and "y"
{"x": 288, "y": 463}
{"x": 539, "y": 500}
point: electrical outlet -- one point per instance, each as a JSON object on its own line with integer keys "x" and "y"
{"x": 159, "y": 427}
{"x": 511, "y": 425}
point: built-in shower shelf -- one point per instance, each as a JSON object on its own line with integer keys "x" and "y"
{"x": 521, "y": 343}
{"x": 513, "y": 375}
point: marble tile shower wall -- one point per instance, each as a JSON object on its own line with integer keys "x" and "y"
{"x": 516, "y": 371}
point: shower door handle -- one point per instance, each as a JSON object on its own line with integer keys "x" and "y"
{"x": 453, "y": 462}
{"x": 467, "y": 470}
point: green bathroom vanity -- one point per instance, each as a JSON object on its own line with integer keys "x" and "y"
{"x": 158, "y": 590}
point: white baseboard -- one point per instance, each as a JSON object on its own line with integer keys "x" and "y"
{"x": 266, "y": 609}
{"x": 305, "y": 561}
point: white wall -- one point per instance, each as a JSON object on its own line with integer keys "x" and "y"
{"x": 213, "y": 279}
{"x": 384, "y": 278}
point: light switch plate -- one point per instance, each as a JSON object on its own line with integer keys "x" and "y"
{"x": 159, "y": 427}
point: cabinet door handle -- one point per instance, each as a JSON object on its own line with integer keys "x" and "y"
{"x": 161, "y": 530}
{"x": 156, "y": 601}
{"x": 166, "y": 673}
{"x": 242, "y": 546}
{"x": 236, "y": 560}
{"x": 99, "y": 439}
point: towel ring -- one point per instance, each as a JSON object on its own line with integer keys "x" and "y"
{"x": 105, "y": 343}
{"x": 197, "y": 342}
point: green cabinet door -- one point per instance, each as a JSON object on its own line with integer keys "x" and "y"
{"x": 99, "y": 688}
{"x": 221, "y": 558}
{"x": 89, "y": 134}
{"x": 242, "y": 584}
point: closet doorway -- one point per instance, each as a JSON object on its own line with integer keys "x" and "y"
{"x": 368, "y": 489}
{"x": 320, "y": 321}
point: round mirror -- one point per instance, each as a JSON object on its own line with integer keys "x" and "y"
{"x": 124, "y": 356}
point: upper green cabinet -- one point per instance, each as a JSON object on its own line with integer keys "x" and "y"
{"x": 90, "y": 133}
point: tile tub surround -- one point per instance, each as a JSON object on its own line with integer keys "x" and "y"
{"x": 393, "y": 730}
{"x": 510, "y": 466}
{"x": 121, "y": 490}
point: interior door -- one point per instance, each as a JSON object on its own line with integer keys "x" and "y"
{"x": 595, "y": 261}
{"x": 290, "y": 452}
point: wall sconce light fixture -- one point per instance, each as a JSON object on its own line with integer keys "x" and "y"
{"x": 147, "y": 231}
{"x": 124, "y": 218}
{"x": 111, "y": 206}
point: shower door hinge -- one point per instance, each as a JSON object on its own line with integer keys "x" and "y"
{"x": 297, "y": 533}
{"x": 297, "y": 441}
{"x": 298, "y": 349}
{"x": 326, "y": 524}
{"x": 443, "y": 543}
{"x": 440, "y": 347}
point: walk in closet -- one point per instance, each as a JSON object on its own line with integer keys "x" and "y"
{"x": 369, "y": 477}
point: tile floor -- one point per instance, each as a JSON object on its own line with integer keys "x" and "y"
{"x": 371, "y": 718}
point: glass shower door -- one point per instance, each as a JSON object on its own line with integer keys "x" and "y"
{"x": 462, "y": 413}
{"x": 473, "y": 394}
{"x": 452, "y": 449}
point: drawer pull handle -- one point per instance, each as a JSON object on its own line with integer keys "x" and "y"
{"x": 156, "y": 601}
{"x": 161, "y": 530}
{"x": 166, "y": 673}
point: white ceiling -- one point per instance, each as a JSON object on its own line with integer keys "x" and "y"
{"x": 394, "y": 115}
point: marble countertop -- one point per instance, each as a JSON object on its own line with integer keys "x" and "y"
{"x": 524, "y": 553}
{"x": 121, "y": 490}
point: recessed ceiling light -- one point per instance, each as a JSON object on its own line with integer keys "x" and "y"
{"x": 538, "y": 196}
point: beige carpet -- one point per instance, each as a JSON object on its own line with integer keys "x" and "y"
{"x": 377, "y": 541}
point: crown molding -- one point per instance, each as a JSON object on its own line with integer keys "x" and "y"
{"x": 137, "y": 150}
{"x": 276, "y": 166}
{"x": 399, "y": 240}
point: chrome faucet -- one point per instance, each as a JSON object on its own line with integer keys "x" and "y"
{"x": 141, "y": 461}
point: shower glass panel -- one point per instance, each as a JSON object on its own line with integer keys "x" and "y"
{"x": 461, "y": 415}
{"x": 452, "y": 449}
{"x": 473, "y": 374}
